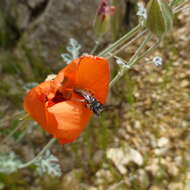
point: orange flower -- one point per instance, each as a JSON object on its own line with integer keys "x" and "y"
{"x": 56, "y": 105}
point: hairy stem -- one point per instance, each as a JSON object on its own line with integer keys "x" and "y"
{"x": 132, "y": 60}
{"x": 148, "y": 51}
{"x": 119, "y": 42}
{"x": 181, "y": 9}
{"x": 21, "y": 125}
{"x": 96, "y": 45}
{"x": 127, "y": 44}
{"x": 46, "y": 147}
{"x": 180, "y": 5}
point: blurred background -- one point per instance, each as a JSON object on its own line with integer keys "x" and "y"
{"x": 141, "y": 141}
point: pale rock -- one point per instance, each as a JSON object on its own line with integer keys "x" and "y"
{"x": 173, "y": 170}
{"x": 137, "y": 124}
{"x": 135, "y": 156}
{"x": 187, "y": 185}
{"x": 154, "y": 188}
{"x": 178, "y": 160}
{"x": 162, "y": 142}
{"x": 123, "y": 156}
{"x": 176, "y": 186}
{"x": 153, "y": 167}
{"x": 184, "y": 83}
{"x": 92, "y": 188}
{"x": 104, "y": 176}
{"x": 160, "y": 151}
{"x": 117, "y": 155}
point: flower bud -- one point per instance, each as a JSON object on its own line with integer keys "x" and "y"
{"x": 102, "y": 20}
{"x": 159, "y": 17}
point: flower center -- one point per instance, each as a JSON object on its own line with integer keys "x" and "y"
{"x": 58, "y": 97}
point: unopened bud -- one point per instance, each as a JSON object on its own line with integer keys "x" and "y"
{"x": 102, "y": 20}
{"x": 159, "y": 17}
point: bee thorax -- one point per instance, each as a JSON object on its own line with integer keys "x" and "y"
{"x": 91, "y": 101}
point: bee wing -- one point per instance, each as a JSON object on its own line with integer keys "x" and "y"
{"x": 93, "y": 75}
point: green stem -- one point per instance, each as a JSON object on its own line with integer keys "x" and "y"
{"x": 39, "y": 154}
{"x": 131, "y": 62}
{"x": 12, "y": 133}
{"x": 137, "y": 53}
{"x": 119, "y": 42}
{"x": 181, "y": 9}
{"x": 96, "y": 45}
{"x": 180, "y": 5}
{"x": 149, "y": 50}
{"x": 127, "y": 44}
{"x": 20, "y": 125}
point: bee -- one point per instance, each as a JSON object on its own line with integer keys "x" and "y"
{"x": 91, "y": 102}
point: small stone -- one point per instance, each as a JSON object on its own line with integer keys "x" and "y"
{"x": 136, "y": 157}
{"x": 160, "y": 151}
{"x": 92, "y": 188}
{"x": 122, "y": 156}
{"x": 162, "y": 142}
{"x": 104, "y": 176}
{"x": 187, "y": 185}
{"x": 154, "y": 188}
{"x": 173, "y": 170}
{"x": 178, "y": 160}
{"x": 184, "y": 83}
{"x": 137, "y": 124}
{"x": 176, "y": 186}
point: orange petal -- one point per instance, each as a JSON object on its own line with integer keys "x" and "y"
{"x": 66, "y": 78}
{"x": 93, "y": 75}
{"x": 68, "y": 118}
{"x": 34, "y": 102}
